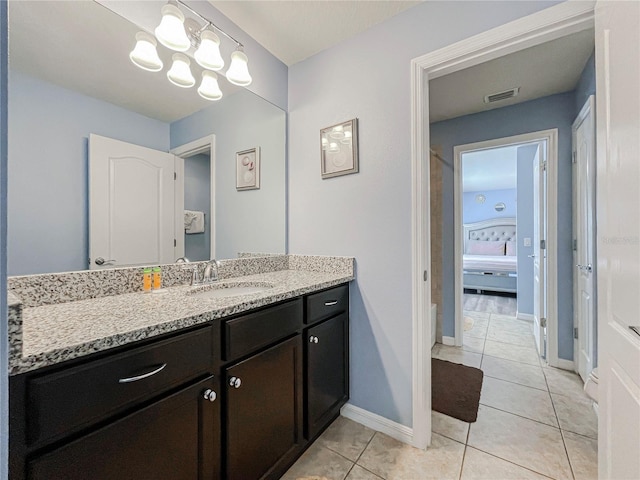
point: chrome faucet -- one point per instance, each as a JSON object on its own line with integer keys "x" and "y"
{"x": 210, "y": 274}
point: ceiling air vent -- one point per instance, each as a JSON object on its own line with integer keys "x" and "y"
{"x": 497, "y": 97}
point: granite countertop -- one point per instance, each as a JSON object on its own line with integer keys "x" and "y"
{"x": 54, "y": 333}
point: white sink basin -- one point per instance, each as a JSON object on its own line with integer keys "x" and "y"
{"x": 230, "y": 289}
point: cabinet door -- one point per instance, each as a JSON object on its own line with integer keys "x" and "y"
{"x": 327, "y": 372}
{"x": 175, "y": 438}
{"x": 264, "y": 411}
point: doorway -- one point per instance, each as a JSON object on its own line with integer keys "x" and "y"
{"x": 198, "y": 170}
{"x": 523, "y": 233}
{"x": 553, "y": 23}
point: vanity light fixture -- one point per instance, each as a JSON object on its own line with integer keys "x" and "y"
{"x": 145, "y": 55}
{"x": 347, "y": 138}
{"x": 209, "y": 88}
{"x": 180, "y": 34}
{"x": 180, "y": 73}
{"x": 337, "y": 132}
{"x": 333, "y": 148}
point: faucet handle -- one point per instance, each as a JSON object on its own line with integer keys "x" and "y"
{"x": 195, "y": 276}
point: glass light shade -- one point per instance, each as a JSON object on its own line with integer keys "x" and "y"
{"x": 325, "y": 143}
{"x": 144, "y": 54}
{"x": 347, "y": 138}
{"x": 171, "y": 31}
{"x": 209, "y": 88}
{"x": 337, "y": 132}
{"x": 180, "y": 73}
{"x": 208, "y": 53}
{"x": 333, "y": 148}
{"x": 238, "y": 72}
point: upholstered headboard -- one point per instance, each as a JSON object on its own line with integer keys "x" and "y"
{"x": 494, "y": 229}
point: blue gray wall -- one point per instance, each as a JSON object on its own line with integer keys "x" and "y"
{"x": 526, "y": 157}
{"x": 4, "y": 344}
{"x": 250, "y": 220}
{"x": 587, "y": 84}
{"x": 473, "y": 211}
{"x": 555, "y": 111}
{"x": 48, "y": 192}
{"x": 368, "y": 215}
{"x": 197, "y": 196}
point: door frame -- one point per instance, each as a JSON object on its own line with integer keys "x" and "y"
{"x": 546, "y": 25}
{"x": 589, "y": 107}
{"x": 551, "y": 219}
{"x": 196, "y": 147}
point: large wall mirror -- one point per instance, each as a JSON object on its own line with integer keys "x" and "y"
{"x": 70, "y": 79}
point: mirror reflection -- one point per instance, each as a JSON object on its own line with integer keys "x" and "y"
{"x": 70, "y": 83}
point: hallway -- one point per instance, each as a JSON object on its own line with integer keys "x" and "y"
{"x": 532, "y": 419}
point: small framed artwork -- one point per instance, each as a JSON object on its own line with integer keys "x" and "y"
{"x": 248, "y": 169}
{"x": 339, "y": 149}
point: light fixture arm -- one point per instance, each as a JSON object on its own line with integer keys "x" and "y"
{"x": 209, "y": 23}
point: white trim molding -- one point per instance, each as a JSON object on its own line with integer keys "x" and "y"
{"x": 378, "y": 423}
{"x": 451, "y": 341}
{"x": 544, "y": 26}
{"x": 525, "y": 316}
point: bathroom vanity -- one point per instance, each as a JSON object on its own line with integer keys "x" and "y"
{"x": 233, "y": 387}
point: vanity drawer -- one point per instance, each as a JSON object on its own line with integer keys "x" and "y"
{"x": 248, "y": 333}
{"x": 327, "y": 303}
{"x": 74, "y": 398}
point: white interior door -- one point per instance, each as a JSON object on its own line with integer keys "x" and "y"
{"x": 539, "y": 305}
{"x": 618, "y": 216}
{"x": 132, "y": 204}
{"x": 584, "y": 237}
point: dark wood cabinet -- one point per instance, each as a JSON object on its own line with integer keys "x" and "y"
{"x": 174, "y": 438}
{"x": 263, "y": 417}
{"x": 327, "y": 378}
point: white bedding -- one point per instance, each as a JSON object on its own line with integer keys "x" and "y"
{"x": 490, "y": 263}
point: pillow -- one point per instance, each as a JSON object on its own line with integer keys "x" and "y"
{"x": 511, "y": 249}
{"x": 482, "y": 247}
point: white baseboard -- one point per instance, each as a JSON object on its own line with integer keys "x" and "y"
{"x": 376, "y": 422}
{"x": 451, "y": 341}
{"x": 566, "y": 365}
{"x": 525, "y": 316}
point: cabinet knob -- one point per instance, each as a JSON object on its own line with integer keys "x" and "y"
{"x": 235, "y": 382}
{"x": 210, "y": 395}
{"x": 313, "y": 339}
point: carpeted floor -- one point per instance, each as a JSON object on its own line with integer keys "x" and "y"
{"x": 455, "y": 389}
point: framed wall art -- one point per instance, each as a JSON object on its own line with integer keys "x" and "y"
{"x": 248, "y": 169}
{"x": 339, "y": 149}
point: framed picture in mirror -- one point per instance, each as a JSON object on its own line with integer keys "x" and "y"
{"x": 248, "y": 169}
{"x": 339, "y": 149}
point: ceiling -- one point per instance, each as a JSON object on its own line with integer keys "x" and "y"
{"x": 91, "y": 55}
{"x": 539, "y": 71}
{"x": 293, "y": 30}
{"x": 492, "y": 169}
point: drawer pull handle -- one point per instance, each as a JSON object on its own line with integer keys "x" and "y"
{"x": 313, "y": 339}
{"x": 235, "y": 382}
{"x": 330, "y": 304}
{"x": 143, "y": 376}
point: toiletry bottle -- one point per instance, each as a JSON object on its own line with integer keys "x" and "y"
{"x": 146, "y": 280}
{"x": 157, "y": 278}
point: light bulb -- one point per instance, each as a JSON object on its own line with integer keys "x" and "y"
{"x": 180, "y": 73}
{"x": 337, "y": 132}
{"x": 144, "y": 54}
{"x": 238, "y": 72}
{"x": 209, "y": 88}
{"x": 333, "y": 148}
{"x": 325, "y": 143}
{"x": 208, "y": 53}
{"x": 347, "y": 138}
{"x": 171, "y": 31}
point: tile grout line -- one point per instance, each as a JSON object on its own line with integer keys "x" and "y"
{"x": 564, "y": 443}
{"x": 522, "y": 416}
{"x": 464, "y": 455}
{"x": 510, "y": 461}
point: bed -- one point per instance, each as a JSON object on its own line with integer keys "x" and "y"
{"x": 489, "y": 259}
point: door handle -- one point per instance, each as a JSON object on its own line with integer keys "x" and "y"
{"x": 588, "y": 268}
{"x": 102, "y": 261}
{"x": 531, "y": 256}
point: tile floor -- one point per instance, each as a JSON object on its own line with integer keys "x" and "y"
{"x": 534, "y": 422}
